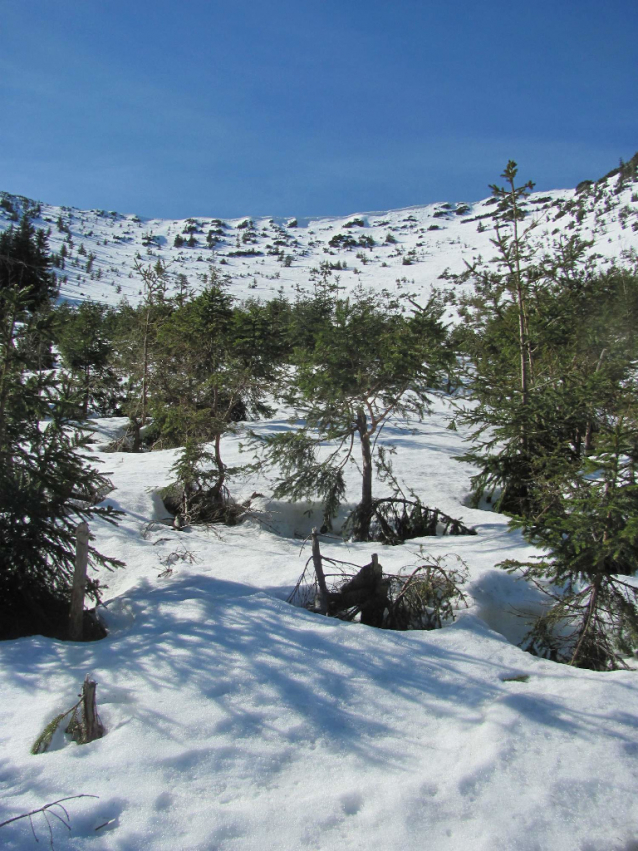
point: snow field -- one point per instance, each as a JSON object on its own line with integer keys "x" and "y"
{"x": 236, "y": 721}
{"x": 433, "y": 237}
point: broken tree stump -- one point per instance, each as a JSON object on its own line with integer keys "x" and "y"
{"x": 76, "y": 614}
{"x": 85, "y": 725}
{"x": 367, "y": 591}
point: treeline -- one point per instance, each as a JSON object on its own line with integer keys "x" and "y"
{"x": 185, "y": 369}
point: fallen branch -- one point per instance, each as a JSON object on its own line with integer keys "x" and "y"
{"x": 46, "y": 811}
{"x": 397, "y": 519}
{"x": 43, "y": 741}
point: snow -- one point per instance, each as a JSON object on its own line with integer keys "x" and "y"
{"x": 434, "y": 236}
{"x": 236, "y": 721}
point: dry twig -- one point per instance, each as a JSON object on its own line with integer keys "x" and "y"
{"x": 46, "y": 811}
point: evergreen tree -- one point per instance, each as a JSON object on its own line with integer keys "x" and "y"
{"x": 541, "y": 363}
{"x": 552, "y": 352}
{"x": 261, "y": 334}
{"x": 136, "y": 345}
{"x": 46, "y": 485}
{"x": 26, "y": 265}
{"x": 590, "y": 526}
{"x": 83, "y": 336}
{"x": 207, "y": 376}
{"x": 365, "y": 363}
{"x": 498, "y": 340}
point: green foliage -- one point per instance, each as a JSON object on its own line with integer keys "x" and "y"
{"x": 549, "y": 344}
{"x": 590, "y": 525}
{"x": 551, "y": 348}
{"x": 44, "y": 739}
{"x": 47, "y": 484}
{"x": 363, "y": 361}
{"x": 135, "y": 343}
{"x": 583, "y": 343}
{"x": 261, "y": 335}
{"x": 25, "y": 266}
{"x": 211, "y": 366}
{"x": 302, "y": 474}
{"x": 84, "y": 337}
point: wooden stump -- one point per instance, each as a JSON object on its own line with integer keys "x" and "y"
{"x": 368, "y": 590}
{"x": 85, "y": 725}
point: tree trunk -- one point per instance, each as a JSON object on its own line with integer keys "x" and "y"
{"x": 524, "y": 348}
{"x": 221, "y": 469}
{"x": 523, "y": 343}
{"x": 85, "y": 725}
{"x": 590, "y": 619}
{"x": 8, "y": 354}
{"x": 135, "y": 426}
{"x": 367, "y": 591}
{"x": 589, "y": 432}
{"x": 86, "y": 391}
{"x": 145, "y": 367}
{"x": 364, "y": 509}
{"x": 93, "y": 728}
{"x": 322, "y": 602}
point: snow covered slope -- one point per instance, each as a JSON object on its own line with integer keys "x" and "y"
{"x": 406, "y": 249}
{"x": 236, "y": 722}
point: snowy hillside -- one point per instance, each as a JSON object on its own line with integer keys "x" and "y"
{"x": 407, "y": 248}
{"x": 236, "y": 721}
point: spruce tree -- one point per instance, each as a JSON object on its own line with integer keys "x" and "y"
{"x": 136, "y": 346}
{"x": 208, "y": 374}
{"x": 83, "y": 336}
{"x": 46, "y": 482}
{"x": 551, "y": 347}
{"x": 364, "y": 363}
{"x": 527, "y": 371}
{"x": 590, "y": 528}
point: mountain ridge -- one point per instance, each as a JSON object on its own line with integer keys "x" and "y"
{"x": 95, "y": 252}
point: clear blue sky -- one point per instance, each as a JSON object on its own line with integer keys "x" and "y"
{"x": 215, "y": 107}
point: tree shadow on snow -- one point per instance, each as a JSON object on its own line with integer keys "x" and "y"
{"x": 262, "y": 679}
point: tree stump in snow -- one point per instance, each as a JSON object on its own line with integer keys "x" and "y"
{"x": 85, "y": 725}
{"x": 367, "y": 591}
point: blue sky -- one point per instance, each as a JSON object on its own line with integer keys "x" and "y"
{"x": 203, "y": 107}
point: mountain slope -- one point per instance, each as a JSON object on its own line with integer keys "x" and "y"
{"x": 408, "y": 248}
{"x": 235, "y": 721}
